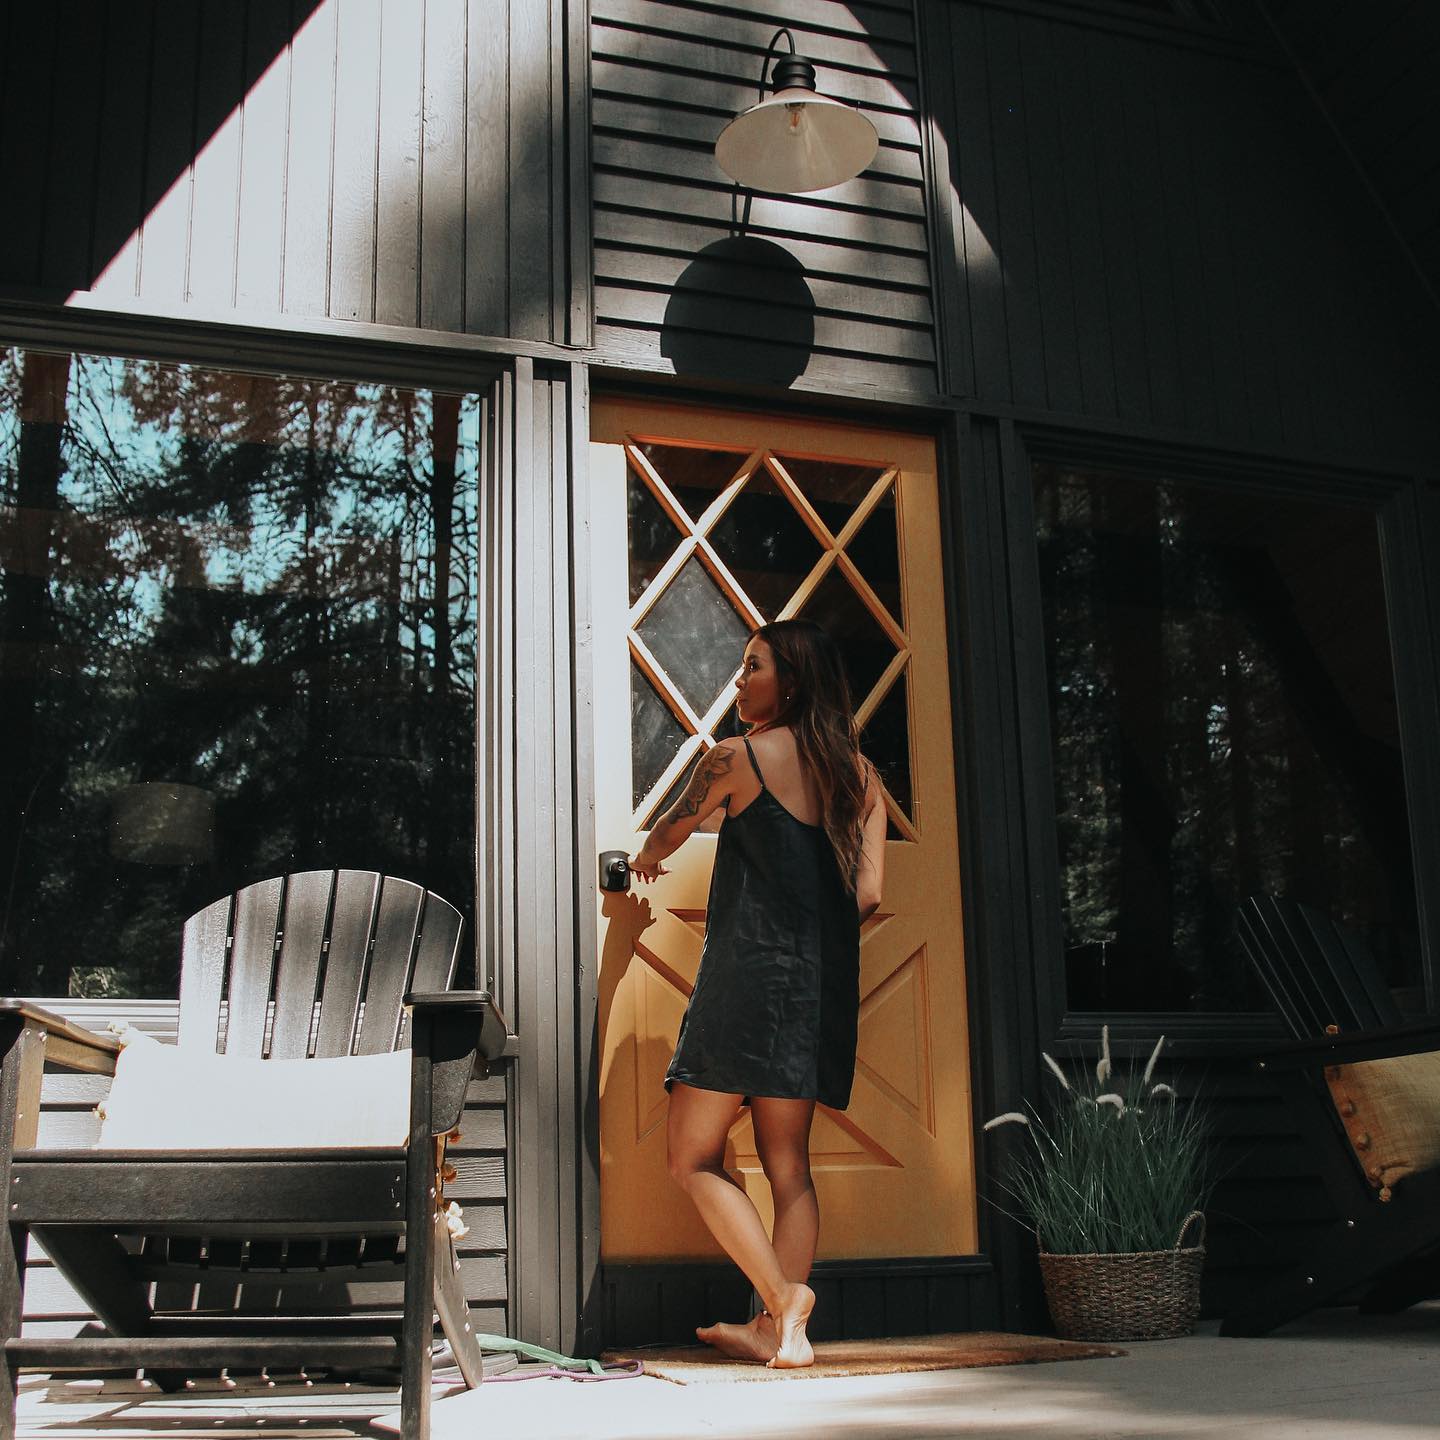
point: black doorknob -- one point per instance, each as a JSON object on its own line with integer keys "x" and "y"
{"x": 614, "y": 870}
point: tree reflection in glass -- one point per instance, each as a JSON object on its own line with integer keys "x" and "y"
{"x": 1223, "y": 722}
{"x": 261, "y": 587}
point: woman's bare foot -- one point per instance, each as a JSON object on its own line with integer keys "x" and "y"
{"x": 794, "y": 1352}
{"x": 755, "y": 1341}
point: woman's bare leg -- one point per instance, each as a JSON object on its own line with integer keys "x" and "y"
{"x": 782, "y": 1137}
{"x": 699, "y": 1122}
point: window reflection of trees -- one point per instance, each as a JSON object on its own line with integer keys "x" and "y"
{"x": 1223, "y": 722}
{"x": 260, "y": 586}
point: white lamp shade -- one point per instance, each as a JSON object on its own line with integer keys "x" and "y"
{"x": 796, "y": 141}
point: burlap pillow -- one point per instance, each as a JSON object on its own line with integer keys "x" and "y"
{"x": 1391, "y": 1110}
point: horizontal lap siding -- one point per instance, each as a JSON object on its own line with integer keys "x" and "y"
{"x": 401, "y": 162}
{"x": 1268, "y": 1199}
{"x": 67, "y": 1119}
{"x": 833, "y": 286}
{"x": 1166, "y": 235}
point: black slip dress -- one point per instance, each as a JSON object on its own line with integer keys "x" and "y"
{"x": 777, "y": 997}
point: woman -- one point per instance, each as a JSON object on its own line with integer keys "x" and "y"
{"x": 773, "y": 1016}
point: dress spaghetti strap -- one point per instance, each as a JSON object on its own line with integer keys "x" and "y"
{"x": 759, "y": 774}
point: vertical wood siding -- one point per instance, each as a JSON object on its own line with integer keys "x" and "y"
{"x": 835, "y": 285}
{"x": 1372, "y": 63}
{"x": 403, "y": 162}
{"x": 536, "y": 834}
{"x": 67, "y": 1118}
{"x": 1166, "y": 236}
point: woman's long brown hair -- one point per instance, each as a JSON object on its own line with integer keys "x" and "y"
{"x": 811, "y": 673}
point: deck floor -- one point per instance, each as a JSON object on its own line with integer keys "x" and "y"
{"x": 1336, "y": 1376}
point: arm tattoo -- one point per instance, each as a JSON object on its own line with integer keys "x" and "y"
{"x": 717, "y": 763}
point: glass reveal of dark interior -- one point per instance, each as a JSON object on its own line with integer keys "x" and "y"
{"x": 1223, "y": 723}
{"x": 886, "y": 742}
{"x": 833, "y": 487}
{"x": 653, "y": 534}
{"x": 693, "y": 474}
{"x": 237, "y": 636}
{"x": 876, "y": 553}
{"x": 677, "y": 788}
{"x": 866, "y": 647}
{"x": 728, "y": 726}
{"x": 655, "y": 734}
{"x": 696, "y": 634}
{"x": 765, "y": 544}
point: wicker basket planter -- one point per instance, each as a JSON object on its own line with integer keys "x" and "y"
{"x": 1146, "y": 1295}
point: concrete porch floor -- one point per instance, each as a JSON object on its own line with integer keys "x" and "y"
{"x": 1333, "y": 1376}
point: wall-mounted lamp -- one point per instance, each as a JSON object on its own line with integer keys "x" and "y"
{"x": 798, "y": 140}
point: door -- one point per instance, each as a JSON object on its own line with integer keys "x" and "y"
{"x": 704, "y": 525}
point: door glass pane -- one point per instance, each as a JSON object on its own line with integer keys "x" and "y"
{"x": 655, "y": 734}
{"x": 693, "y": 473}
{"x": 833, "y": 487}
{"x": 1223, "y": 722}
{"x": 765, "y": 544}
{"x": 696, "y": 635}
{"x": 653, "y": 535}
{"x": 886, "y": 742}
{"x": 866, "y": 647}
{"x": 726, "y": 728}
{"x": 876, "y": 553}
{"x": 667, "y": 800}
{"x": 237, "y": 638}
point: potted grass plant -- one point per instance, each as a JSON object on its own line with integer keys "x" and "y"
{"x": 1112, "y": 1180}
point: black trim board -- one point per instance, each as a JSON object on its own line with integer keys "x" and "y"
{"x": 856, "y": 1299}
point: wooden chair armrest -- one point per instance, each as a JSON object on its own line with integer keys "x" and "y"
{"x": 459, "y": 1032}
{"x": 1356, "y": 1045}
{"x": 67, "y": 1044}
{"x": 494, "y": 1033}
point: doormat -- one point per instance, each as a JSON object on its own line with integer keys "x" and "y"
{"x": 699, "y": 1364}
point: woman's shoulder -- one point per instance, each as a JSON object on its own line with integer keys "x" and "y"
{"x": 727, "y": 757}
{"x": 777, "y": 742}
{"x": 732, "y": 746}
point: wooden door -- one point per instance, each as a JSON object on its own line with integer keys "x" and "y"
{"x": 704, "y": 525}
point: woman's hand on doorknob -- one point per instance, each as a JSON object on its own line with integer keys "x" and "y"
{"x": 647, "y": 870}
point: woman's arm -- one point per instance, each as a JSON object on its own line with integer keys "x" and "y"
{"x": 870, "y": 878}
{"x": 710, "y": 786}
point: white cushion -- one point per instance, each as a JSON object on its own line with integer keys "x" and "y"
{"x": 165, "y": 1098}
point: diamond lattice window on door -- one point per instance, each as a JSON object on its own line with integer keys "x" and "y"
{"x": 724, "y": 540}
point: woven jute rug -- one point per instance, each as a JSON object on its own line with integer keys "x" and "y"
{"x": 699, "y": 1364}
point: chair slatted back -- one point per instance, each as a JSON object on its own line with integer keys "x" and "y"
{"x": 354, "y": 941}
{"x": 1317, "y": 972}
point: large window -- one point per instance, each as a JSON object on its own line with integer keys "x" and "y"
{"x": 237, "y": 637}
{"x": 1223, "y": 721}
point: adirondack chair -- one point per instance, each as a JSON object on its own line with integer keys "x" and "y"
{"x": 337, "y": 963}
{"x": 1373, "y": 1129}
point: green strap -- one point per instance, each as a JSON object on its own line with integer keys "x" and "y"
{"x": 539, "y": 1352}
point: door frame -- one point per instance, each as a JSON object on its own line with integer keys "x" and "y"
{"x": 942, "y": 1293}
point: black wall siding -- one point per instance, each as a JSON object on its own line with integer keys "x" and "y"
{"x": 1161, "y": 235}
{"x": 1370, "y": 66}
{"x": 666, "y": 78}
